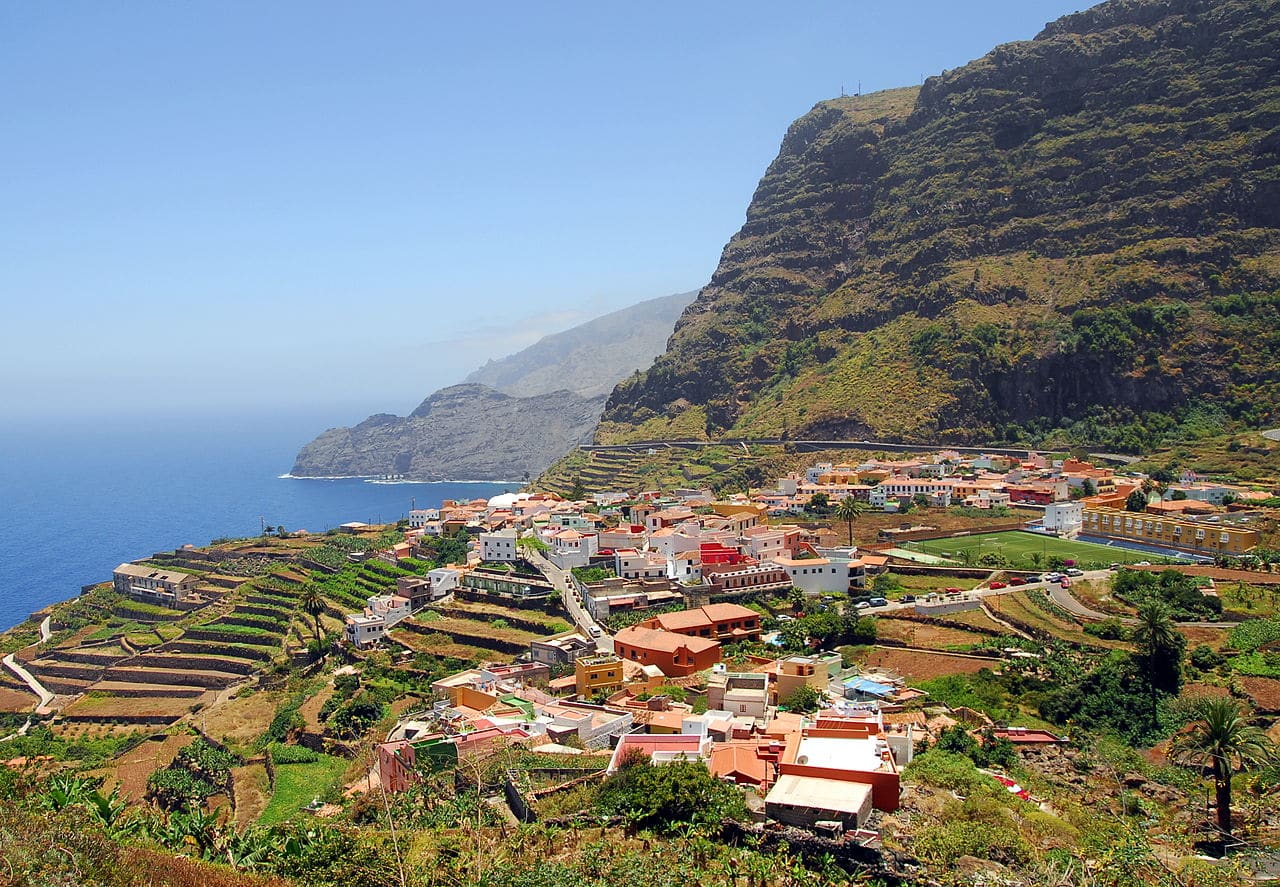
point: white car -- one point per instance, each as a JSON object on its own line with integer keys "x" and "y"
{"x": 594, "y": 631}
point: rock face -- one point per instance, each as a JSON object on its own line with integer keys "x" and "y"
{"x": 1079, "y": 232}
{"x": 550, "y": 401}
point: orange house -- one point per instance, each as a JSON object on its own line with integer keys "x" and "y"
{"x": 676, "y": 655}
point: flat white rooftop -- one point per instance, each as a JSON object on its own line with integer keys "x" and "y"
{"x": 839, "y": 754}
{"x": 811, "y": 792}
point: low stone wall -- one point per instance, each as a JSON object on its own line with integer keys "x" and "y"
{"x": 252, "y": 609}
{"x": 246, "y": 622}
{"x": 164, "y": 676}
{"x": 549, "y": 604}
{"x": 64, "y": 670}
{"x": 200, "y": 663}
{"x": 258, "y": 654}
{"x": 496, "y": 644}
{"x": 81, "y": 657}
{"x": 174, "y": 691}
{"x": 200, "y": 634}
{"x": 140, "y": 720}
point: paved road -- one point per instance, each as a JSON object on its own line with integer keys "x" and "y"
{"x": 815, "y": 445}
{"x": 1071, "y": 604}
{"x": 1273, "y": 434}
{"x": 46, "y": 629}
{"x": 569, "y": 595}
{"x": 37, "y": 688}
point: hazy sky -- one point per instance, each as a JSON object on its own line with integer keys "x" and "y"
{"x": 340, "y": 207}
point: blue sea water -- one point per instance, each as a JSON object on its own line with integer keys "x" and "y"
{"x": 78, "y": 499}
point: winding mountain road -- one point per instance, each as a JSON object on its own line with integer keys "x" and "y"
{"x": 46, "y": 698}
{"x": 1069, "y": 602}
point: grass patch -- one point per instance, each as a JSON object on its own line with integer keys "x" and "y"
{"x": 1018, "y": 547}
{"x": 297, "y": 785}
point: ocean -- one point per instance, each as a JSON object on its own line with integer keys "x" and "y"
{"x": 79, "y": 498}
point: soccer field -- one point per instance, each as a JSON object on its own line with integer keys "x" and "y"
{"x": 1018, "y": 548}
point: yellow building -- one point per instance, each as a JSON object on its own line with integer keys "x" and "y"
{"x": 799, "y": 671}
{"x": 595, "y": 673}
{"x": 1184, "y": 535}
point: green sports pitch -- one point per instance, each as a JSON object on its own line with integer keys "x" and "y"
{"x": 1018, "y": 547}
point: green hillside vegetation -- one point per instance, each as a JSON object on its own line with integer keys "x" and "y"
{"x": 1071, "y": 238}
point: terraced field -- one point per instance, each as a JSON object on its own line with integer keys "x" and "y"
{"x": 922, "y": 634}
{"x": 1021, "y": 609}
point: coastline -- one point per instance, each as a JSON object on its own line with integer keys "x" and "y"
{"x": 377, "y": 479}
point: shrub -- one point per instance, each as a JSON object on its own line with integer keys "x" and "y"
{"x": 664, "y": 797}
{"x": 292, "y": 754}
{"x": 946, "y": 769}
{"x": 944, "y": 843}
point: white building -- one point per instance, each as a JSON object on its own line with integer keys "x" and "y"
{"x": 1064, "y": 518}
{"x": 443, "y": 580}
{"x": 499, "y": 546}
{"x": 420, "y": 517}
{"x": 815, "y": 575}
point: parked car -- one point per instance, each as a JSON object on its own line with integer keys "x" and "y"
{"x": 595, "y": 631}
{"x": 1143, "y": 564}
{"x": 1065, "y": 581}
{"x": 952, "y": 590}
{"x": 1016, "y": 580}
{"x": 997, "y": 585}
{"x": 1052, "y": 577}
{"x": 908, "y": 599}
{"x": 1031, "y": 579}
{"x": 1075, "y": 572}
{"x": 863, "y": 605}
{"x": 878, "y": 602}
{"x": 1113, "y": 567}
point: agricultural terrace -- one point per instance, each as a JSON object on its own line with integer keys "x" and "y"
{"x": 1028, "y": 550}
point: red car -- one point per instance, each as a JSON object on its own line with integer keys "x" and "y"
{"x": 997, "y": 585}
{"x": 1017, "y": 580}
{"x": 952, "y": 590}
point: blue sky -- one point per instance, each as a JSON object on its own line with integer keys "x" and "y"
{"x": 340, "y": 207}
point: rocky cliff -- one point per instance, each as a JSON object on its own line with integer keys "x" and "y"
{"x": 550, "y": 401}
{"x": 1078, "y": 232}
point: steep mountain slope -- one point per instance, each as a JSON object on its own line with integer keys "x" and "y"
{"x": 550, "y": 400}
{"x": 591, "y": 358}
{"x": 464, "y": 432}
{"x": 1081, "y": 228}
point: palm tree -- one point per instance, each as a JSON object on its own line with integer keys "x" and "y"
{"x": 1226, "y": 742}
{"x": 797, "y": 598}
{"x": 313, "y": 602}
{"x": 1160, "y": 646}
{"x": 848, "y": 511}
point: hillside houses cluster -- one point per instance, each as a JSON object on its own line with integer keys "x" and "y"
{"x": 831, "y": 769}
{"x": 1077, "y": 499}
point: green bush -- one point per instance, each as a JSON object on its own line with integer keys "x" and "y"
{"x": 292, "y": 754}
{"x": 945, "y": 842}
{"x": 946, "y": 769}
{"x": 666, "y": 796}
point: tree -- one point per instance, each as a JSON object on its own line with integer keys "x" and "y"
{"x": 818, "y": 503}
{"x": 1137, "y": 501}
{"x": 804, "y": 699}
{"x": 313, "y": 602}
{"x": 1089, "y": 488}
{"x": 1225, "y": 742}
{"x": 921, "y": 500}
{"x": 1160, "y": 647}
{"x": 577, "y": 491}
{"x": 848, "y": 511}
{"x": 796, "y": 596}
